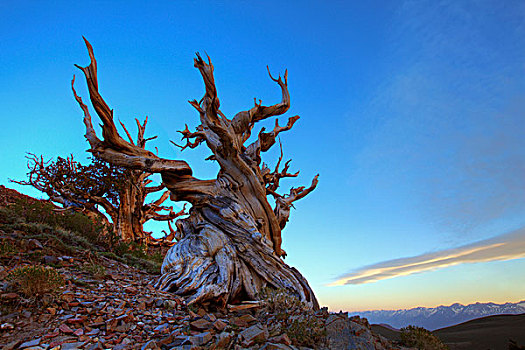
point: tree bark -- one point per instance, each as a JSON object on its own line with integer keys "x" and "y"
{"x": 229, "y": 247}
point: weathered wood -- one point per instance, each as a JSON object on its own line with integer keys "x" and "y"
{"x": 229, "y": 247}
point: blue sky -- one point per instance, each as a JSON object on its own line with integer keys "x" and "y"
{"x": 413, "y": 113}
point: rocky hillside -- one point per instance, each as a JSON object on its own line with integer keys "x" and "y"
{"x": 62, "y": 287}
{"x": 441, "y": 316}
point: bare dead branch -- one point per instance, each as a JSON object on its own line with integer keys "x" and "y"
{"x": 154, "y": 188}
{"x": 199, "y": 137}
{"x": 284, "y": 203}
{"x": 127, "y": 133}
{"x": 272, "y": 179}
{"x": 208, "y": 108}
{"x": 90, "y": 135}
{"x": 244, "y": 121}
{"x": 114, "y": 149}
{"x": 300, "y": 192}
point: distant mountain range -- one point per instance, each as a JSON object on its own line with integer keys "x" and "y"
{"x": 441, "y": 316}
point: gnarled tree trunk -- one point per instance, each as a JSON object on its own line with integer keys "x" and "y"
{"x": 229, "y": 247}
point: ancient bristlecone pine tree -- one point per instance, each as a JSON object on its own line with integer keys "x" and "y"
{"x": 120, "y": 192}
{"x": 229, "y": 247}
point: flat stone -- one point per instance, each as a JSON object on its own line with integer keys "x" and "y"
{"x": 11, "y": 345}
{"x": 254, "y": 334}
{"x": 94, "y": 331}
{"x": 72, "y": 346}
{"x": 34, "y": 244}
{"x": 223, "y": 340}
{"x": 161, "y": 328}
{"x": 178, "y": 341}
{"x": 236, "y": 321}
{"x": 201, "y": 324}
{"x": 247, "y": 305}
{"x": 66, "y": 329}
{"x": 338, "y": 332}
{"x": 275, "y": 346}
{"x": 30, "y": 343}
{"x": 75, "y": 320}
{"x": 247, "y": 318}
{"x": 201, "y": 312}
{"x": 96, "y": 346}
{"x": 121, "y": 346}
{"x": 7, "y": 326}
{"x": 219, "y": 325}
{"x": 210, "y": 317}
{"x": 201, "y": 339}
{"x": 170, "y": 304}
{"x": 10, "y": 296}
{"x": 151, "y": 345}
{"x": 48, "y": 259}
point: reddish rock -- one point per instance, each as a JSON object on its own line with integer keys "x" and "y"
{"x": 76, "y": 320}
{"x": 201, "y": 339}
{"x": 34, "y": 244}
{"x": 52, "y": 335}
{"x": 275, "y": 346}
{"x": 201, "y": 324}
{"x": 7, "y": 326}
{"x": 223, "y": 340}
{"x": 255, "y": 334}
{"x": 11, "y": 345}
{"x": 65, "y": 329}
{"x": 247, "y": 318}
{"x": 281, "y": 339}
{"x": 236, "y": 321}
{"x": 219, "y": 325}
{"x": 29, "y": 344}
{"x": 10, "y": 296}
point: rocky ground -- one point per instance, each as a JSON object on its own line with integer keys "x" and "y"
{"x": 107, "y": 304}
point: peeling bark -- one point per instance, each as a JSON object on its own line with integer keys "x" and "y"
{"x": 229, "y": 247}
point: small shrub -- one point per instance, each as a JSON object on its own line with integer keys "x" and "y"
{"x": 307, "y": 330}
{"x": 95, "y": 270}
{"x": 147, "y": 265}
{"x": 421, "y": 339}
{"x": 8, "y": 216}
{"x": 36, "y": 280}
{"x": 38, "y": 212}
{"x": 80, "y": 283}
{"x": 7, "y": 248}
{"x": 294, "y": 317}
{"x": 111, "y": 255}
{"x": 278, "y": 301}
{"x": 121, "y": 248}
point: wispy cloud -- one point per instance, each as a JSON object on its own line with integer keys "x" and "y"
{"x": 503, "y": 247}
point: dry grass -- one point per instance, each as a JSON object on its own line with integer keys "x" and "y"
{"x": 35, "y": 280}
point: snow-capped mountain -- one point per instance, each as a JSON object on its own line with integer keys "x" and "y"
{"x": 441, "y": 316}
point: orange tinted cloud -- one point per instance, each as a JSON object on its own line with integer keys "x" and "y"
{"x": 503, "y": 247}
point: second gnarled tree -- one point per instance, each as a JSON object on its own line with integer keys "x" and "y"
{"x": 229, "y": 247}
